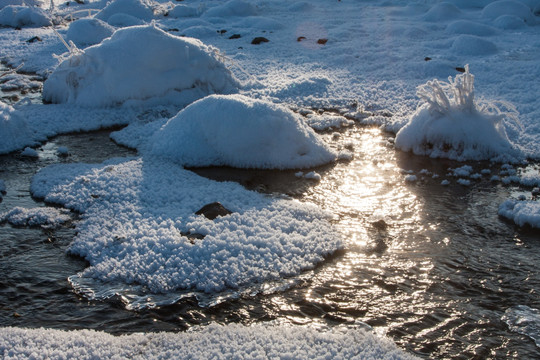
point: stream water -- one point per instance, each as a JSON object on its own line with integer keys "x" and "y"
{"x": 431, "y": 266}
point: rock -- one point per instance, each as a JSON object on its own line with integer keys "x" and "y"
{"x": 235, "y": 36}
{"x": 380, "y": 225}
{"x": 322, "y": 41}
{"x": 192, "y": 236}
{"x": 460, "y": 69}
{"x": 259, "y": 40}
{"x": 427, "y": 58}
{"x": 213, "y": 210}
{"x": 300, "y": 38}
{"x": 33, "y": 39}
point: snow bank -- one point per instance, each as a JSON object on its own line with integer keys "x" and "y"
{"x": 212, "y": 342}
{"x": 140, "y": 63}
{"x": 451, "y": 124}
{"x": 46, "y": 217}
{"x": 88, "y": 31}
{"x": 234, "y": 130}
{"x": 21, "y": 16}
{"x": 139, "y": 227}
{"x": 526, "y": 212}
{"x": 14, "y": 132}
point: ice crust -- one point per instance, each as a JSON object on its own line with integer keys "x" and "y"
{"x": 136, "y": 214}
{"x": 213, "y": 342}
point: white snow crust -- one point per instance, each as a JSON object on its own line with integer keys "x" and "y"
{"x": 88, "y": 31}
{"x": 138, "y": 63}
{"x": 212, "y": 342}
{"x": 14, "y": 131}
{"x": 523, "y": 213}
{"x": 237, "y": 131}
{"x": 46, "y": 217}
{"x": 136, "y": 214}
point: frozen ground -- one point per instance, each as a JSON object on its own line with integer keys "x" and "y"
{"x": 372, "y": 61}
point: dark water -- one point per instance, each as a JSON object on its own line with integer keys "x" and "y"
{"x": 431, "y": 266}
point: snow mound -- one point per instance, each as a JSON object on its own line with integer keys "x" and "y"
{"x": 46, "y": 217}
{"x": 451, "y": 124}
{"x": 88, "y": 31}
{"x": 139, "y": 227}
{"x": 509, "y": 22}
{"x": 442, "y": 12}
{"x": 234, "y": 130}
{"x": 233, "y": 341}
{"x": 521, "y": 212}
{"x": 139, "y": 9}
{"x": 232, "y": 8}
{"x": 473, "y": 45}
{"x": 24, "y": 16}
{"x": 14, "y": 131}
{"x": 470, "y": 28}
{"x": 180, "y": 11}
{"x": 139, "y": 63}
{"x": 508, "y": 7}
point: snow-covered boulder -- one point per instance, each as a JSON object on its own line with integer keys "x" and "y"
{"x": 24, "y": 16}
{"x": 451, "y": 124}
{"x": 14, "y": 132}
{"x": 139, "y": 9}
{"x": 238, "y": 131}
{"x": 137, "y": 64}
{"x": 88, "y": 31}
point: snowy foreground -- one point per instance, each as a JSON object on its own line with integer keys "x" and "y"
{"x": 213, "y": 342}
{"x": 235, "y": 84}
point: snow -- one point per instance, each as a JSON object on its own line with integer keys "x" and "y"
{"x": 136, "y": 214}
{"x": 384, "y": 63}
{"x": 46, "y": 217}
{"x": 139, "y": 9}
{"x": 23, "y": 16}
{"x": 521, "y": 212}
{"x": 167, "y": 68}
{"x": 237, "y": 131}
{"x": 14, "y": 131}
{"x": 88, "y": 31}
{"x": 452, "y": 124}
{"x": 227, "y": 342}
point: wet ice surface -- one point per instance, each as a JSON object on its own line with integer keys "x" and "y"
{"x": 431, "y": 266}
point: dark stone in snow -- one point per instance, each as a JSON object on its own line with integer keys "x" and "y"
{"x": 427, "y": 58}
{"x": 380, "y": 225}
{"x": 213, "y": 210}
{"x": 33, "y": 39}
{"x": 322, "y": 41}
{"x": 223, "y": 31}
{"x": 259, "y": 40}
{"x": 300, "y": 38}
{"x": 235, "y": 36}
{"x": 460, "y": 69}
{"x": 192, "y": 236}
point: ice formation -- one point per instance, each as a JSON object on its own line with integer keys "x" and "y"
{"x": 452, "y": 124}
